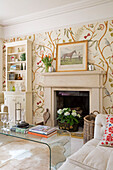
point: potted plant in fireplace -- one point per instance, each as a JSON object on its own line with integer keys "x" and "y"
{"x": 68, "y": 119}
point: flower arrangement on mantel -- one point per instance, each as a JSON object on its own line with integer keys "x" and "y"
{"x": 68, "y": 119}
{"x": 47, "y": 60}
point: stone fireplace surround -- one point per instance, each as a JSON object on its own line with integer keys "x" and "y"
{"x": 91, "y": 81}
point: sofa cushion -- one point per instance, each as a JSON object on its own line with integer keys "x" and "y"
{"x": 100, "y": 125}
{"x": 92, "y": 156}
{"x": 69, "y": 166}
{"x": 107, "y": 139}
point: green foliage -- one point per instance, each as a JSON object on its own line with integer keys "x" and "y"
{"x": 47, "y": 60}
{"x": 23, "y": 57}
{"x": 69, "y": 116}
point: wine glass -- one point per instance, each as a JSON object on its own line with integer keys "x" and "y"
{"x": 3, "y": 119}
{"x": 7, "y": 123}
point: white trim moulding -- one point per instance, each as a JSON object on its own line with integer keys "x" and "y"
{"x": 54, "y": 11}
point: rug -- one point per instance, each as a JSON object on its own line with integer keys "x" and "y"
{"x": 19, "y": 154}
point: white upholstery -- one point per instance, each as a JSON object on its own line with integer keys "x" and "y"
{"x": 100, "y": 123}
{"x": 92, "y": 156}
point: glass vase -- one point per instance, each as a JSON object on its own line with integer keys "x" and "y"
{"x": 46, "y": 68}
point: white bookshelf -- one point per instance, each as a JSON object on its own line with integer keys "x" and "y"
{"x": 19, "y": 90}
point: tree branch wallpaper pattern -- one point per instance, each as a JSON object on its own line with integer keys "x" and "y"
{"x": 100, "y": 53}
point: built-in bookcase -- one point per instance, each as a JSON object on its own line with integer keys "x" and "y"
{"x": 19, "y": 77}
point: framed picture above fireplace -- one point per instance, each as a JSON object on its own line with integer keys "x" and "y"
{"x": 72, "y": 56}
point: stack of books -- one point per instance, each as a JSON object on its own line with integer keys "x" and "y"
{"x": 42, "y": 131}
{"x": 23, "y": 130}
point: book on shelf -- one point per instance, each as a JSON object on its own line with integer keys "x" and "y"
{"x": 41, "y": 129}
{"x": 42, "y": 135}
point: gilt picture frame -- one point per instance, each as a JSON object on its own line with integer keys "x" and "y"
{"x": 72, "y": 56}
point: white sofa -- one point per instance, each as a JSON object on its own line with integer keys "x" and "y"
{"x": 92, "y": 156}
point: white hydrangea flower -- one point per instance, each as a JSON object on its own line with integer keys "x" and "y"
{"x": 60, "y": 111}
{"x": 65, "y": 109}
{"x": 74, "y": 113}
{"x": 66, "y": 113}
{"x": 78, "y": 115}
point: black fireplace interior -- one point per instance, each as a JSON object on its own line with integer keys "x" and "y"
{"x": 78, "y": 100}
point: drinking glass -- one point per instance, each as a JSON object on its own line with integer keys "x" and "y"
{"x": 7, "y": 123}
{"x": 3, "y": 119}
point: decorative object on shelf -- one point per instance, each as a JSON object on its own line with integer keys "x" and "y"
{"x": 47, "y": 60}
{"x": 72, "y": 56}
{"x": 15, "y": 67}
{"x": 19, "y": 77}
{"x": 23, "y": 57}
{"x": 12, "y": 58}
{"x": 18, "y": 87}
{"x": 21, "y": 66}
{"x": 50, "y": 69}
{"x": 91, "y": 67}
{"x": 19, "y": 50}
{"x": 12, "y": 76}
{"x": 13, "y": 88}
{"x": 24, "y": 66}
{"x": 68, "y": 119}
{"x": 16, "y": 60}
{"x": 22, "y": 87}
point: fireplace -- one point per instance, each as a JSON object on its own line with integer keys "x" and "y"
{"x": 76, "y": 100}
{"x": 64, "y": 88}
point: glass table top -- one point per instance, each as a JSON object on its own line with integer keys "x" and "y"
{"x": 62, "y": 138}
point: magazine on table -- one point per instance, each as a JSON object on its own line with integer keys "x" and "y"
{"x": 42, "y": 129}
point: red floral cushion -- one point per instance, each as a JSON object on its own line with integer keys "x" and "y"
{"x": 107, "y": 139}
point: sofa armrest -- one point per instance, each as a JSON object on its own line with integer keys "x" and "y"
{"x": 100, "y": 124}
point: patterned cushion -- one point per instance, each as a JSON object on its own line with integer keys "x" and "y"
{"x": 107, "y": 139}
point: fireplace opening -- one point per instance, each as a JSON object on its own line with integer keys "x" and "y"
{"x": 78, "y": 100}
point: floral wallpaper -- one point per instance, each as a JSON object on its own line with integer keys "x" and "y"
{"x": 100, "y": 53}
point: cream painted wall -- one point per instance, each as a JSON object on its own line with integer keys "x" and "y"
{"x": 81, "y": 16}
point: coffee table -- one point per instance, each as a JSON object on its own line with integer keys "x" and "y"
{"x": 62, "y": 139}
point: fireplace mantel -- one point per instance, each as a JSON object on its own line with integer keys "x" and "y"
{"x": 91, "y": 81}
{"x": 73, "y": 79}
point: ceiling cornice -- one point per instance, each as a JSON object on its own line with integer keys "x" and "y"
{"x": 54, "y": 11}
